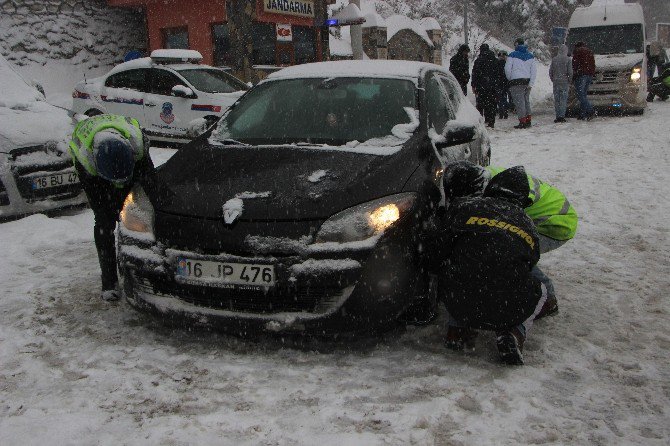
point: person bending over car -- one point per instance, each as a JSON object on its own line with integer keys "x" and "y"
{"x": 110, "y": 155}
{"x": 487, "y": 247}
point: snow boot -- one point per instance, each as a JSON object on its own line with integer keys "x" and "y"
{"x": 524, "y": 123}
{"x": 421, "y": 312}
{"x": 110, "y": 295}
{"x": 510, "y": 346}
{"x": 549, "y": 308}
{"x": 460, "y": 338}
{"x": 528, "y": 121}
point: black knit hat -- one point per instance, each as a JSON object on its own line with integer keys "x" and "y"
{"x": 464, "y": 179}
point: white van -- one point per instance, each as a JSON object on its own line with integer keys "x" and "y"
{"x": 615, "y": 32}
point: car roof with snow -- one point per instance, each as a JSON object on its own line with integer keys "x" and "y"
{"x": 357, "y": 68}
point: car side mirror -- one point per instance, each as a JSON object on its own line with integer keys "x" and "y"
{"x": 181, "y": 91}
{"x": 457, "y": 134}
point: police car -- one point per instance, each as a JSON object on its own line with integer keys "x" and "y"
{"x": 165, "y": 93}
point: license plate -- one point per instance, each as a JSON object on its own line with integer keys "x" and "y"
{"x": 224, "y": 273}
{"x": 55, "y": 180}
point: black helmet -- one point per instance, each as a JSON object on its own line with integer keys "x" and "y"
{"x": 113, "y": 157}
{"x": 464, "y": 179}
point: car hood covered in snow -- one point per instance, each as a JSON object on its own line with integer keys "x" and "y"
{"x": 25, "y": 118}
{"x": 605, "y": 62}
{"x": 274, "y": 182}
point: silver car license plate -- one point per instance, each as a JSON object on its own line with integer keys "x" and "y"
{"x": 222, "y": 273}
{"x": 55, "y": 180}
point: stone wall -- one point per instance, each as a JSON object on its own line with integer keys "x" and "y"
{"x": 408, "y": 45}
{"x": 86, "y": 32}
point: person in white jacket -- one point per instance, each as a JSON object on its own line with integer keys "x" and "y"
{"x": 521, "y": 71}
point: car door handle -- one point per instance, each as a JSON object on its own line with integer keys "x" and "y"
{"x": 149, "y": 104}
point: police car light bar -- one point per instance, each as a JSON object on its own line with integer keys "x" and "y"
{"x": 345, "y": 22}
{"x": 176, "y": 56}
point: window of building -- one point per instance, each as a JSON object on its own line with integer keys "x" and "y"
{"x": 131, "y": 79}
{"x": 264, "y": 41}
{"x": 175, "y": 38}
{"x": 304, "y": 38}
{"x": 221, "y": 41}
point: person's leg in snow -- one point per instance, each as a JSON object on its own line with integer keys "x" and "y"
{"x": 106, "y": 202}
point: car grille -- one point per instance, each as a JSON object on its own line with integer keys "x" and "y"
{"x": 211, "y": 236}
{"x": 606, "y": 77}
{"x": 26, "y": 162}
{"x": 318, "y": 298}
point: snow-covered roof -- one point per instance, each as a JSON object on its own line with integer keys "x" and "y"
{"x": 339, "y": 46}
{"x": 397, "y": 23}
{"x": 373, "y": 19}
{"x": 351, "y": 12}
{"x": 356, "y": 68}
{"x": 430, "y": 24}
{"x": 607, "y": 14}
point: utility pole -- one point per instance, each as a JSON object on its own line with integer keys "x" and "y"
{"x": 465, "y": 20}
{"x": 356, "y": 32}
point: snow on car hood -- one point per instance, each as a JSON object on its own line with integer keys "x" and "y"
{"x": 617, "y": 61}
{"x": 34, "y": 124}
{"x": 270, "y": 183}
{"x": 25, "y": 117}
{"x": 14, "y": 91}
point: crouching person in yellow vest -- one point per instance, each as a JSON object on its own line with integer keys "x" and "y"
{"x": 556, "y": 222}
{"x": 110, "y": 154}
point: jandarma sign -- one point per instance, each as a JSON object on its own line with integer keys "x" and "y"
{"x": 303, "y": 8}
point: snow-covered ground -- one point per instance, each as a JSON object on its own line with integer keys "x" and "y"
{"x": 77, "y": 370}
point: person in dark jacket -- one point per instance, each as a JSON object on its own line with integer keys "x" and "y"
{"x": 488, "y": 248}
{"x": 486, "y": 79}
{"x": 110, "y": 154}
{"x": 583, "y": 70}
{"x": 459, "y": 65}
{"x": 504, "y": 100}
{"x": 660, "y": 85}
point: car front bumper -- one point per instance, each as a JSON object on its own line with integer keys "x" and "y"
{"x": 321, "y": 290}
{"x": 17, "y": 198}
{"x": 620, "y": 96}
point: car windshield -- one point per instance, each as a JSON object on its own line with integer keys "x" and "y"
{"x": 615, "y": 39}
{"x": 320, "y": 111}
{"x": 212, "y": 80}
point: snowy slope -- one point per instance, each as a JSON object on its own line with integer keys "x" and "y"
{"x": 76, "y": 370}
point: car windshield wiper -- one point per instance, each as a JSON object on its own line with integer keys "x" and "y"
{"x": 232, "y": 142}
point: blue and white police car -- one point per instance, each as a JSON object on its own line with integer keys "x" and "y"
{"x": 165, "y": 92}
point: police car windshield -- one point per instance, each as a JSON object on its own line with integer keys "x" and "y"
{"x": 320, "y": 111}
{"x": 212, "y": 80}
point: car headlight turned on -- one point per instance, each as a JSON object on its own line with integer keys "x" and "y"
{"x": 366, "y": 220}
{"x": 636, "y": 73}
{"x": 138, "y": 214}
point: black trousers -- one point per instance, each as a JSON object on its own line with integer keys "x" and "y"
{"x": 487, "y": 104}
{"x": 106, "y": 201}
{"x": 658, "y": 89}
